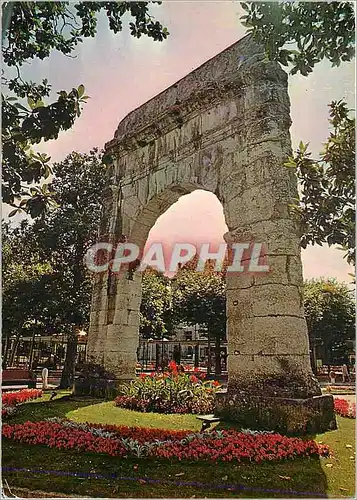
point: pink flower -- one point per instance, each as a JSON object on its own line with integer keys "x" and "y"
{"x": 344, "y": 408}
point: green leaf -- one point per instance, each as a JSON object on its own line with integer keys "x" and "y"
{"x": 20, "y": 106}
{"x": 80, "y": 90}
{"x": 31, "y": 103}
{"x": 107, "y": 159}
{"x": 303, "y": 147}
{"x": 39, "y": 104}
{"x": 291, "y": 163}
{"x": 35, "y": 190}
{"x": 13, "y": 212}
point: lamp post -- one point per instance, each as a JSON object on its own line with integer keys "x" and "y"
{"x": 197, "y": 349}
{"x": 81, "y": 337}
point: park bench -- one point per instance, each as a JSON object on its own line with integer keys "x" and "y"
{"x": 18, "y": 377}
{"x": 207, "y": 420}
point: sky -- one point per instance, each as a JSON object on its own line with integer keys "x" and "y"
{"x": 121, "y": 73}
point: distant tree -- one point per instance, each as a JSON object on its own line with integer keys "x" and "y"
{"x": 57, "y": 241}
{"x": 314, "y": 31}
{"x": 29, "y": 305}
{"x": 330, "y": 315}
{"x": 199, "y": 298}
{"x": 64, "y": 236}
{"x": 155, "y": 306}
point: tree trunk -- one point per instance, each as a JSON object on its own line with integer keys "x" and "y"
{"x": 197, "y": 355}
{"x": 6, "y": 351}
{"x": 209, "y": 353}
{"x": 327, "y": 350}
{"x": 157, "y": 357}
{"x": 67, "y": 378}
{"x": 218, "y": 368}
{"x": 313, "y": 358}
{"x": 32, "y": 348}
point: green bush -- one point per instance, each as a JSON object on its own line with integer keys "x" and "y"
{"x": 171, "y": 392}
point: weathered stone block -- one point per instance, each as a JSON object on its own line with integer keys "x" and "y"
{"x": 255, "y": 205}
{"x": 270, "y": 300}
{"x": 278, "y": 236}
{"x": 283, "y": 415}
{"x": 121, "y": 363}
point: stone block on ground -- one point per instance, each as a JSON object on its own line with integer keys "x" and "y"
{"x": 283, "y": 415}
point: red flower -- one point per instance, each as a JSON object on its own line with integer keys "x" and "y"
{"x": 173, "y": 366}
{"x": 226, "y": 447}
{"x": 344, "y": 408}
{"x": 18, "y": 397}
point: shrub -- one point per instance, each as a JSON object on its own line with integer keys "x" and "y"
{"x": 173, "y": 391}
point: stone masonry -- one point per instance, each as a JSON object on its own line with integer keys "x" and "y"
{"x": 223, "y": 128}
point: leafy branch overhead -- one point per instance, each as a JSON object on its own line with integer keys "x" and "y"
{"x": 314, "y": 31}
{"x": 328, "y": 198}
{"x": 38, "y": 28}
{"x": 33, "y": 30}
{"x": 22, "y": 128}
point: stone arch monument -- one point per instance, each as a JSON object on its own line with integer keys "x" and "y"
{"x": 223, "y": 128}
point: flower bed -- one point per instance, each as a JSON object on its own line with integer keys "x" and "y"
{"x": 226, "y": 446}
{"x": 17, "y": 397}
{"x": 345, "y": 408}
{"x": 173, "y": 391}
{"x": 11, "y": 399}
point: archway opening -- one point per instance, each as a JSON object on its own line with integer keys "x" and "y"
{"x": 196, "y": 218}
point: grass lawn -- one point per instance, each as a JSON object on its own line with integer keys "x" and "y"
{"x": 86, "y": 474}
{"x": 107, "y": 413}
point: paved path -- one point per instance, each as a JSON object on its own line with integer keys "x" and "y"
{"x": 5, "y": 388}
{"x": 349, "y": 397}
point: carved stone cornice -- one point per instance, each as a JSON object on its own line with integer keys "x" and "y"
{"x": 242, "y": 65}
